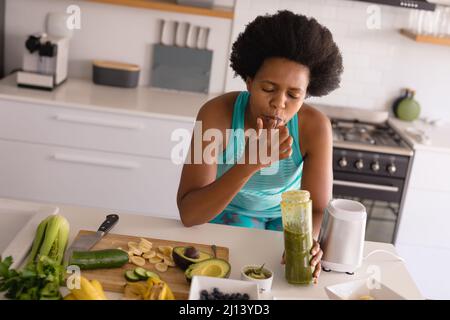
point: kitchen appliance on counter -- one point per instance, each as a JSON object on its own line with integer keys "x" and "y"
{"x": 342, "y": 236}
{"x": 45, "y": 62}
{"x": 371, "y": 164}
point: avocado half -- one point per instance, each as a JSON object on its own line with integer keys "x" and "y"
{"x": 214, "y": 267}
{"x": 182, "y": 261}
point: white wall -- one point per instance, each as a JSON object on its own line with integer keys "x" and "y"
{"x": 378, "y": 63}
{"x": 110, "y": 32}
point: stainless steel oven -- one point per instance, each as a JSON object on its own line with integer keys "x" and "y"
{"x": 371, "y": 164}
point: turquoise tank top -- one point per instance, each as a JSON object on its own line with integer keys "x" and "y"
{"x": 261, "y": 195}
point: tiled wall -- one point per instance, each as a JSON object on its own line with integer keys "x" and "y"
{"x": 378, "y": 63}
{"x": 110, "y": 32}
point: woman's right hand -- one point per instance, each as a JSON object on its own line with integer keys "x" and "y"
{"x": 267, "y": 146}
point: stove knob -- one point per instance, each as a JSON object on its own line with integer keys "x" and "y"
{"x": 359, "y": 164}
{"x": 391, "y": 168}
{"x": 342, "y": 162}
{"x": 375, "y": 166}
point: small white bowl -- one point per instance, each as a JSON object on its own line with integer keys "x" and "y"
{"x": 264, "y": 285}
{"x": 364, "y": 289}
{"x": 229, "y": 286}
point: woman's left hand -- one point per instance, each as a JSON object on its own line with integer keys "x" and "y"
{"x": 316, "y": 253}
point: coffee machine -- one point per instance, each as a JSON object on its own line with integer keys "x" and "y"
{"x": 45, "y": 61}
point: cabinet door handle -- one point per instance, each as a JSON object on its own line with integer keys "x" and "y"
{"x": 100, "y": 122}
{"x": 361, "y": 185}
{"x": 95, "y": 161}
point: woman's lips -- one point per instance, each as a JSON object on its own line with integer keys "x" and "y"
{"x": 271, "y": 122}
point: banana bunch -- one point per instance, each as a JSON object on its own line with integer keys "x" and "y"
{"x": 89, "y": 290}
{"x": 153, "y": 289}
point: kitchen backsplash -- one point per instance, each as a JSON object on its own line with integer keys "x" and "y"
{"x": 111, "y": 32}
{"x": 378, "y": 63}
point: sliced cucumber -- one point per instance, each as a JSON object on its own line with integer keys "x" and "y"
{"x": 141, "y": 273}
{"x": 151, "y": 274}
{"x": 131, "y": 276}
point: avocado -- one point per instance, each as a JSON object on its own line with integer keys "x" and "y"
{"x": 214, "y": 267}
{"x": 185, "y": 256}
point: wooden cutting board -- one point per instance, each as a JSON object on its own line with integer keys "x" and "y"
{"x": 113, "y": 279}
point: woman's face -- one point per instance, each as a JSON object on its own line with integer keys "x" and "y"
{"x": 277, "y": 91}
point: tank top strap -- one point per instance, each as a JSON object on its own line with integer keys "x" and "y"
{"x": 293, "y": 131}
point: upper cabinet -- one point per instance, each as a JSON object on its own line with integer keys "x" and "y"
{"x": 167, "y": 5}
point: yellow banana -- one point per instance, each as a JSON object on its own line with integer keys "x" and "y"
{"x": 149, "y": 290}
{"x": 70, "y": 296}
{"x": 87, "y": 291}
{"x": 98, "y": 286}
{"x": 163, "y": 292}
{"x": 169, "y": 294}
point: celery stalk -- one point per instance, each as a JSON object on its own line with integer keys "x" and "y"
{"x": 51, "y": 234}
{"x": 38, "y": 239}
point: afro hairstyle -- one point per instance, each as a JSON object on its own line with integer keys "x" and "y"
{"x": 294, "y": 37}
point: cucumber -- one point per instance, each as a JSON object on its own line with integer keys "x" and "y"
{"x": 151, "y": 274}
{"x": 141, "y": 273}
{"x": 99, "y": 259}
{"x": 131, "y": 276}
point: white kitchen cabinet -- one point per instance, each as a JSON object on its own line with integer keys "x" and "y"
{"x": 89, "y": 178}
{"x": 75, "y": 127}
{"x": 423, "y": 238}
{"x": 62, "y": 154}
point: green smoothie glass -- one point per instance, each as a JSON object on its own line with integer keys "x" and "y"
{"x": 296, "y": 210}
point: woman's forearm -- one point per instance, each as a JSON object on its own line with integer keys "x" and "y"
{"x": 202, "y": 205}
{"x": 317, "y": 223}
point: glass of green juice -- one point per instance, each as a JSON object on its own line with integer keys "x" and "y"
{"x": 296, "y": 210}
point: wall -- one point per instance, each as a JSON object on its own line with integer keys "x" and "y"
{"x": 2, "y": 36}
{"x": 378, "y": 63}
{"x": 110, "y": 32}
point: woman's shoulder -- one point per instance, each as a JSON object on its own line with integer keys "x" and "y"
{"x": 313, "y": 125}
{"x": 218, "y": 111}
{"x": 312, "y": 116}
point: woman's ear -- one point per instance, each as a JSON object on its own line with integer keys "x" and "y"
{"x": 248, "y": 83}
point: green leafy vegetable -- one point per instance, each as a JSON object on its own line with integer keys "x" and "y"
{"x": 43, "y": 273}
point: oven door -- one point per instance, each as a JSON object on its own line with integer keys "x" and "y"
{"x": 367, "y": 187}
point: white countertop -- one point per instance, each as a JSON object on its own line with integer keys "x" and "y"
{"x": 439, "y": 135}
{"x": 247, "y": 246}
{"x": 84, "y": 93}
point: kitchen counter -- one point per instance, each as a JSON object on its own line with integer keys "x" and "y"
{"x": 438, "y": 134}
{"x": 84, "y": 93}
{"x": 247, "y": 246}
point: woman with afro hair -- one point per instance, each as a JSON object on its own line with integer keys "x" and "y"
{"x": 283, "y": 59}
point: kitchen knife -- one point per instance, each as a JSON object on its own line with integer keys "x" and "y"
{"x": 86, "y": 242}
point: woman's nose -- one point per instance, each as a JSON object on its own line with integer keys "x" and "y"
{"x": 278, "y": 102}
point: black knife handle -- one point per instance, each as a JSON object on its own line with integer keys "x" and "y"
{"x": 109, "y": 223}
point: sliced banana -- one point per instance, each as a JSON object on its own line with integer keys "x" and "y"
{"x": 160, "y": 255}
{"x": 139, "y": 261}
{"x": 150, "y": 254}
{"x": 133, "y": 244}
{"x": 166, "y": 250}
{"x": 146, "y": 242}
{"x": 144, "y": 249}
{"x": 136, "y": 251}
{"x": 155, "y": 260}
{"x": 161, "y": 267}
{"x": 169, "y": 262}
